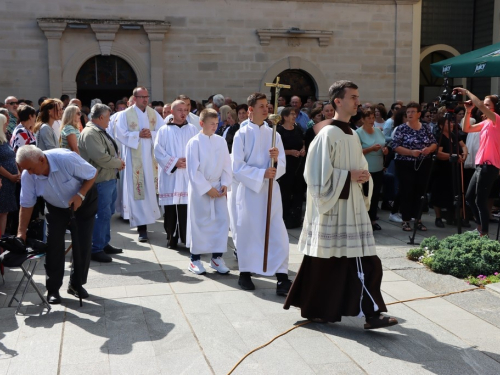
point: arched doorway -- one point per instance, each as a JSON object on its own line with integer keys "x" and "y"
{"x": 108, "y": 78}
{"x": 303, "y": 85}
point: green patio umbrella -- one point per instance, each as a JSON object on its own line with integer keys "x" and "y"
{"x": 482, "y": 62}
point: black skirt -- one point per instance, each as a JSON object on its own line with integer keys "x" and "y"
{"x": 330, "y": 288}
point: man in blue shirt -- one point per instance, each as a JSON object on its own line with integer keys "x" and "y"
{"x": 63, "y": 179}
{"x": 302, "y": 118}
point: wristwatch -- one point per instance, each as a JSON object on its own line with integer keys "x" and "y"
{"x": 81, "y": 196}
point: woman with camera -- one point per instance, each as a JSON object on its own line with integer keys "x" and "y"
{"x": 487, "y": 157}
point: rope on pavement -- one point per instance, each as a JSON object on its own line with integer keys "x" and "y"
{"x": 308, "y": 321}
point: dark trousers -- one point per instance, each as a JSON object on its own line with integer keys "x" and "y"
{"x": 195, "y": 257}
{"x": 57, "y": 223}
{"x": 175, "y": 223}
{"x": 292, "y": 193}
{"x": 378, "y": 180}
{"x": 412, "y": 185}
{"x": 478, "y": 193}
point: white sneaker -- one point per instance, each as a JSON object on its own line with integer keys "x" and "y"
{"x": 395, "y": 218}
{"x": 219, "y": 265}
{"x": 197, "y": 267}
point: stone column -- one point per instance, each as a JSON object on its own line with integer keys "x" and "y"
{"x": 415, "y": 52}
{"x": 53, "y": 32}
{"x": 156, "y": 34}
{"x": 495, "y": 81}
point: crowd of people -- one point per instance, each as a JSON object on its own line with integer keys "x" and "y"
{"x": 207, "y": 169}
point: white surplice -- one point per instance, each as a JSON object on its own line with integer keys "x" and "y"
{"x": 335, "y": 227}
{"x": 145, "y": 211}
{"x": 170, "y": 146}
{"x": 208, "y": 166}
{"x": 250, "y": 159}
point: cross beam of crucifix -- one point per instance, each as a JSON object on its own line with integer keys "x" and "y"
{"x": 278, "y": 86}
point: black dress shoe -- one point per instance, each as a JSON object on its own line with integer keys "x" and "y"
{"x": 439, "y": 223}
{"x": 101, "y": 257}
{"x": 108, "y": 249}
{"x": 74, "y": 292}
{"x": 172, "y": 244}
{"x": 54, "y": 298}
{"x": 283, "y": 287}
{"x": 245, "y": 281}
{"x": 143, "y": 236}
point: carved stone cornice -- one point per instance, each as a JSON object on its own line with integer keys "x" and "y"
{"x": 265, "y": 35}
{"x": 156, "y": 32}
{"x": 89, "y": 21}
{"x": 105, "y": 35}
{"x": 52, "y": 30}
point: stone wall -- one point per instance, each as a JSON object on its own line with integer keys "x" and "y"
{"x": 213, "y": 47}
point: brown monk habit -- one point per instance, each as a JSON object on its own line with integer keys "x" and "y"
{"x": 329, "y": 288}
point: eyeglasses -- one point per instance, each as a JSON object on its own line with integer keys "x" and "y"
{"x": 142, "y": 96}
{"x": 13, "y": 103}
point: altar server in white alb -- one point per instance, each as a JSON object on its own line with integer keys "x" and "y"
{"x": 209, "y": 171}
{"x": 170, "y": 151}
{"x": 136, "y": 130}
{"x": 251, "y": 160}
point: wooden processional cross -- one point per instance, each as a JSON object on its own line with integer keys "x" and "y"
{"x": 275, "y": 118}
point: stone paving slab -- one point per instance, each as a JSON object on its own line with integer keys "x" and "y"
{"x": 148, "y": 315}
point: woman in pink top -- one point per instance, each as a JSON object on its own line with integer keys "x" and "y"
{"x": 487, "y": 158}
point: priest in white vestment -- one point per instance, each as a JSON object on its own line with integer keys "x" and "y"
{"x": 136, "y": 129}
{"x": 251, "y": 160}
{"x": 340, "y": 274}
{"x": 170, "y": 152}
{"x": 209, "y": 171}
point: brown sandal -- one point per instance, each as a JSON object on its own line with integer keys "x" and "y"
{"x": 406, "y": 226}
{"x": 421, "y": 227}
{"x": 380, "y": 321}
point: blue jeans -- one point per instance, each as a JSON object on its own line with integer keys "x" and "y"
{"x": 106, "y": 197}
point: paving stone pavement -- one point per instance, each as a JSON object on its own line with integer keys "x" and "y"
{"x": 148, "y": 315}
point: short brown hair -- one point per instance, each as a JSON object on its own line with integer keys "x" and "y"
{"x": 252, "y": 99}
{"x": 182, "y": 97}
{"x": 337, "y": 90}
{"x": 208, "y": 113}
{"x": 415, "y": 105}
{"x": 367, "y": 113}
{"x": 25, "y": 111}
{"x": 134, "y": 93}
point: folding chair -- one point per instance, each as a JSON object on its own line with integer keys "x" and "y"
{"x": 15, "y": 261}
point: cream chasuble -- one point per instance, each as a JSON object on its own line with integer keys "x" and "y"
{"x": 139, "y": 211}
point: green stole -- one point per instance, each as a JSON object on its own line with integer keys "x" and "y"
{"x": 137, "y": 169}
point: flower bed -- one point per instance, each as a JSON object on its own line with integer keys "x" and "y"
{"x": 461, "y": 255}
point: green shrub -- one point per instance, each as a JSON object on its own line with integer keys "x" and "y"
{"x": 460, "y": 255}
{"x": 415, "y": 254}
{"x": 432, "y": 243}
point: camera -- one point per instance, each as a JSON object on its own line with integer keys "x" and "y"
{"x": 447, "y": 98}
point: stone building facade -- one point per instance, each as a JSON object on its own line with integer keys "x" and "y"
{"x": 202, "y": 47}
